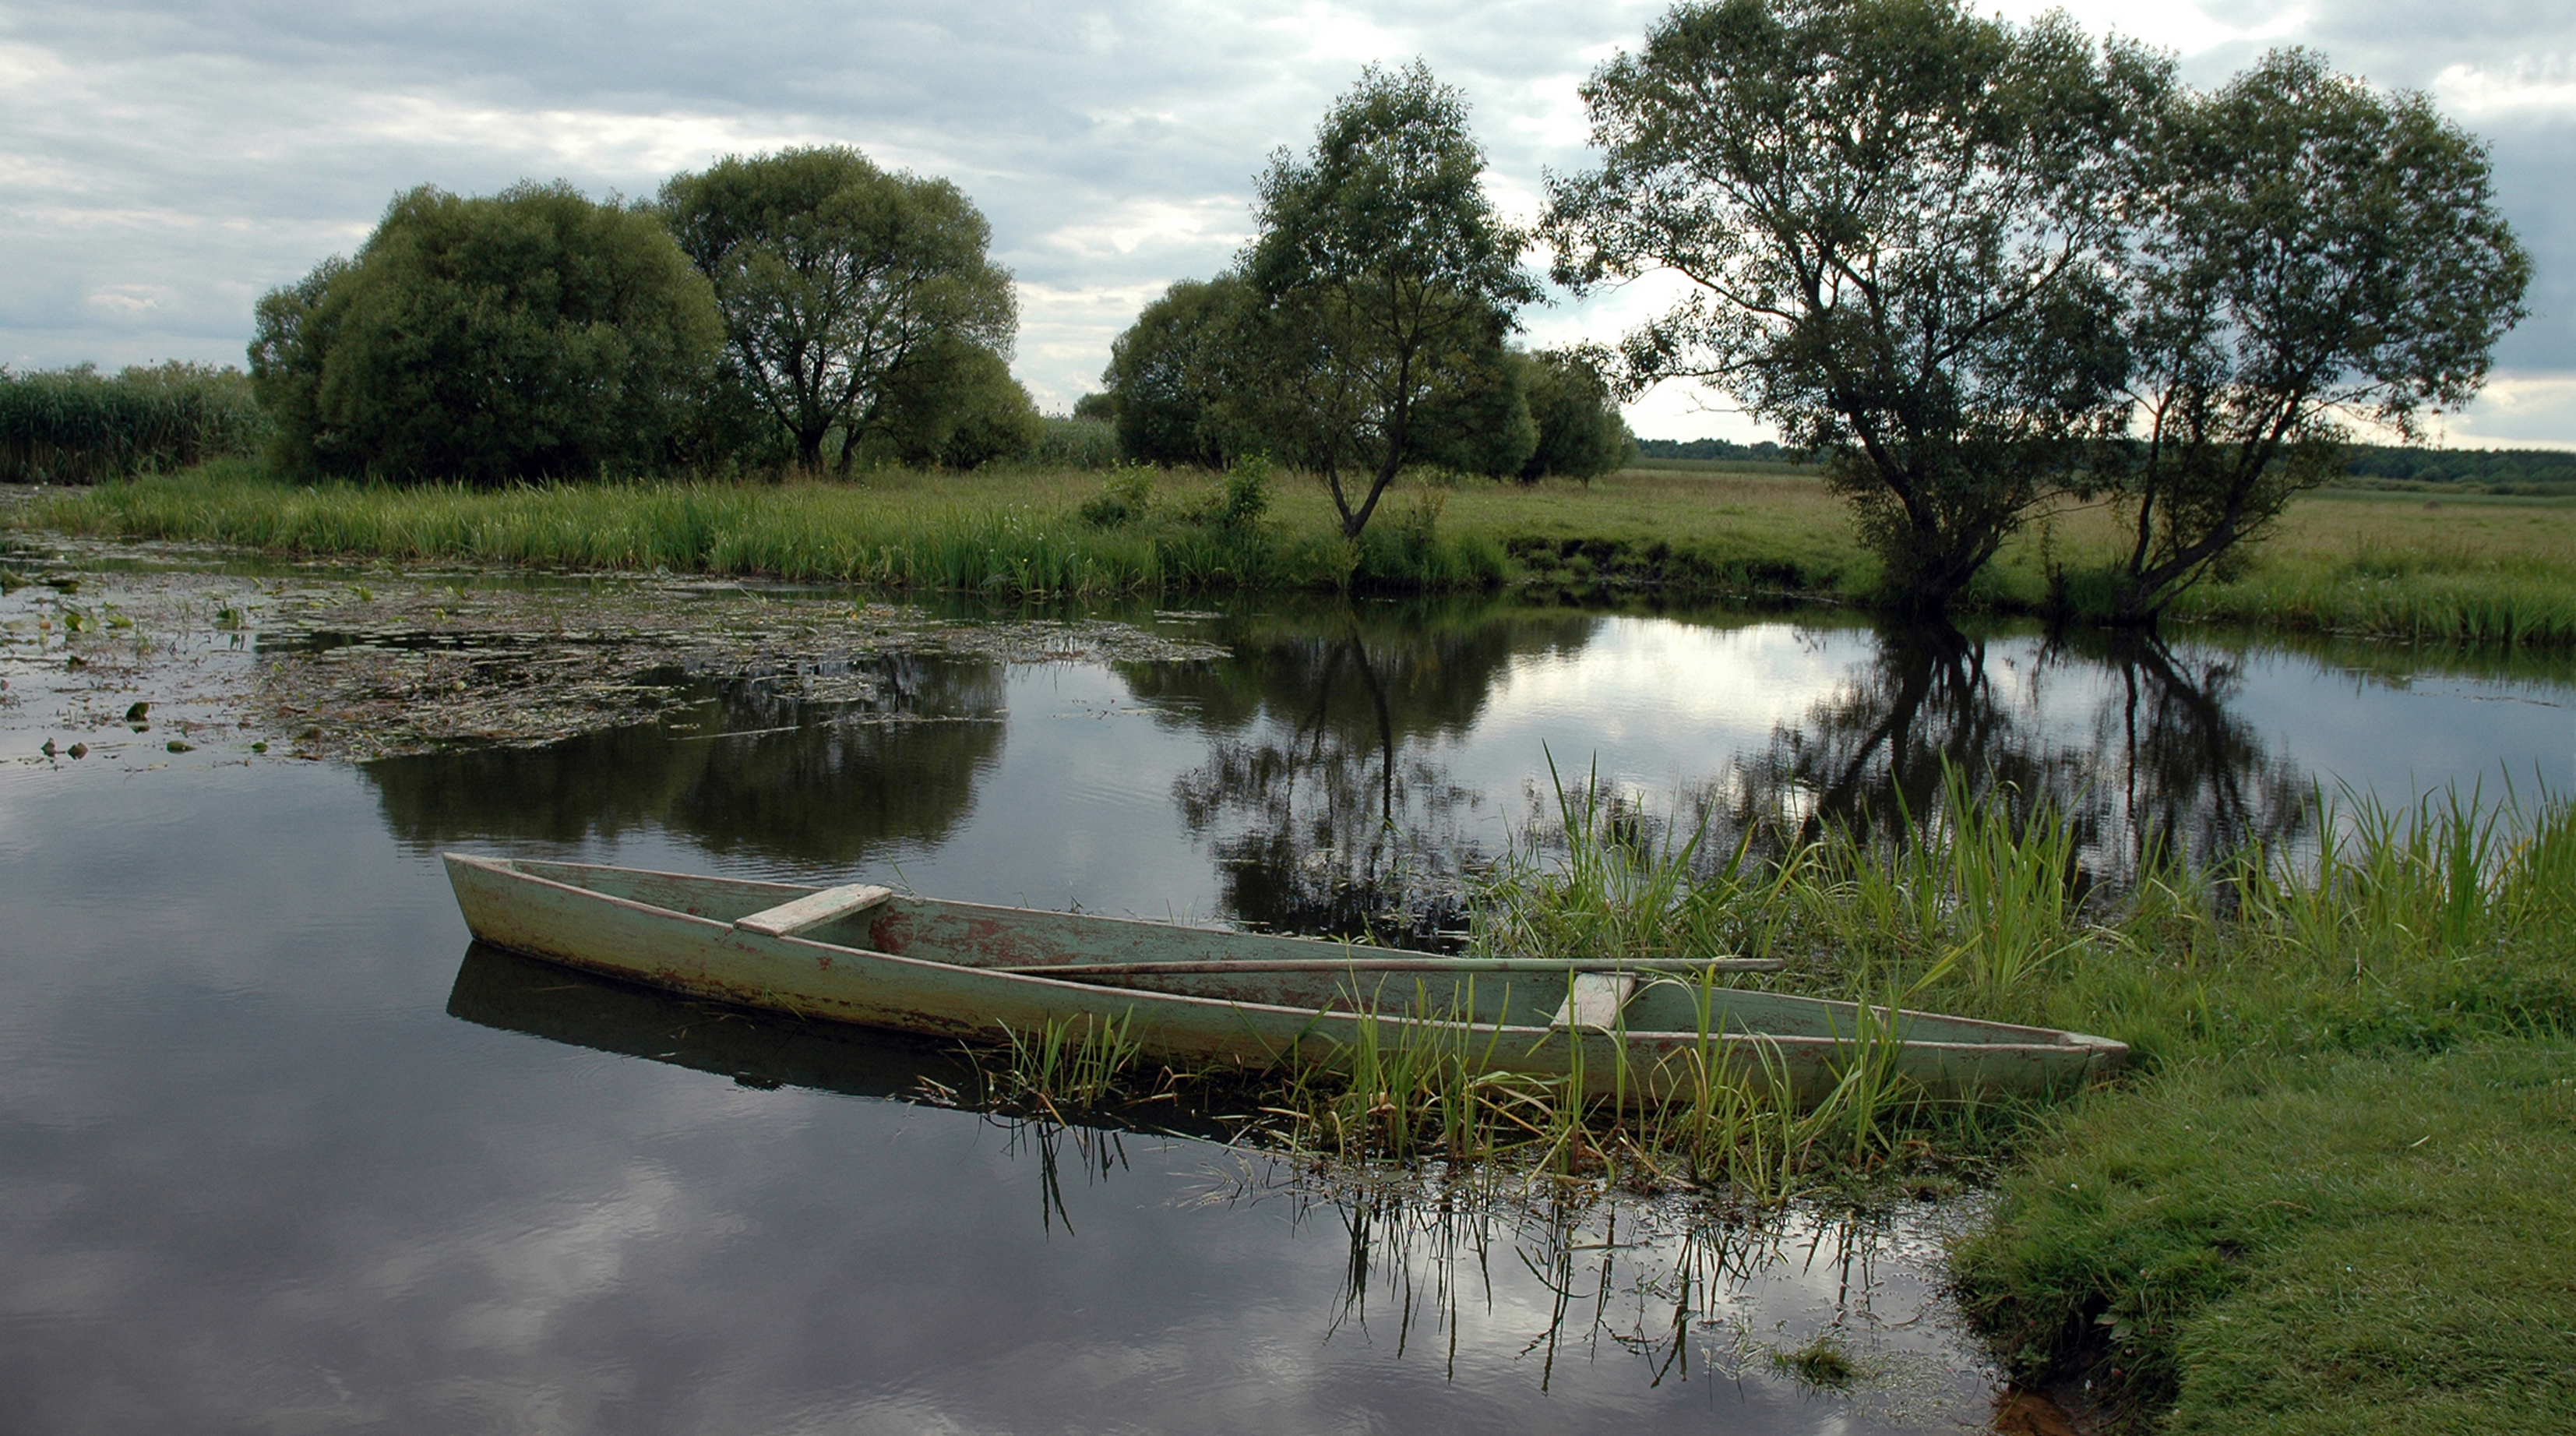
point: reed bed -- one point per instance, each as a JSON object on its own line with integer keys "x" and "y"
{"x": 80, "y": 426}
{"x": 1013, "y": 533}
{"x": 2349, "y": 1085}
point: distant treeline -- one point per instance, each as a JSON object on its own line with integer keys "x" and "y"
{"x": 2495, "y": 471}
{"x": 2373, "y": 466}
{"x": 78, "y": 425}
{"x": 1719, "y": 450}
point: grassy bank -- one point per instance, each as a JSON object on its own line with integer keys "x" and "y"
{"x": 2314, "y": 1242}
{"x": 2492, "y": 570}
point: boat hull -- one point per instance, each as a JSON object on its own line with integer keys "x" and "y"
{"x": 877, "y": 968}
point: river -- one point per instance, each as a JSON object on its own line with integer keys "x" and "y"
{"x": 280, "y": 1151}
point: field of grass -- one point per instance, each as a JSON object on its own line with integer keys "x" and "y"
{"x": 2314, "y": 1242}
{"x": 1015, "y": 532}
{"x": 2466, "y": 569}
{"x": 2475, "y": 569}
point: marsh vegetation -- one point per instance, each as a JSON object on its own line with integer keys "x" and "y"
{"x": 2349, "y": 1059}
{"x": 2488, "y": 571}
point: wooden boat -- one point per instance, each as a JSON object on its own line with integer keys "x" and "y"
{"x": 1196, "y": 996}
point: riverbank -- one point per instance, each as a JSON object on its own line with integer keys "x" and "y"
{"x": 2337, "y": 1189}
{"x": 2334, "y": 1191}
{"x": 2489, "y": 570}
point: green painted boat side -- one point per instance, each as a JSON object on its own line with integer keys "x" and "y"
{"x": 919, "y": 965}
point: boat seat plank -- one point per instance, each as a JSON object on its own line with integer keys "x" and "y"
{"x": 814, "y": 909}
{"x": 1595, "y": 1001}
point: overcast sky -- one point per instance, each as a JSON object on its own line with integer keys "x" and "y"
{"x": 163, "y": 164}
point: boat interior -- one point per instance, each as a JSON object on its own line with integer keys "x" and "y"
{"x": 874, "y": 919}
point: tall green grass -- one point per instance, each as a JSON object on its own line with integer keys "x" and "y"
{"x": 1066, "y": 443}
{"x": 905, "y": 532}
{"x": 2524, "y": 602}
{"x": 2336, "y": 1191}
{"x": 81, "y": 426}
{"x": 2417, "y": 927}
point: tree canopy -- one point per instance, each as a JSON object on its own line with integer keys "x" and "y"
{"x": 2314, "y": 253}
{"x": 530, "y": 334}
{"x": 1180, "y": 375}
{"x": 833, "y": 276}
{"x": 1900, "y": 224}
{"x": 951, "y": 404}
{"x": 1384, "y": 277}
{"x": 1574, "y": 417}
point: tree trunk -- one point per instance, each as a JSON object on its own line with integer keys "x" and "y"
{"x": 1354, "y": 521}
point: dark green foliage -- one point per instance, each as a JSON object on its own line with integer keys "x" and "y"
{"x": 533, "y": 334}
{"x": 1179, "y": 377}
{"x": 2502, "y": 471}
{"x": 79, "y": 426}
{"x": 951, "y": 404}
{"x": 1719, "y": 451}
{"x": 1102, "y": 407}
{"x": 2317, "y": 251}
{"x": 1246, "y": 497}
{"x": 1125, "y": 496}
{"x": 1579, "y": 432}
{"x": 837, "y": 280}
{"x": 1479, "y": 422}
{"x": 1900, "y": 221}
{"x": 1386, "y": 281}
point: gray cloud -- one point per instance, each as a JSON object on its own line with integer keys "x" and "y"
{"x": 163, "y": 164}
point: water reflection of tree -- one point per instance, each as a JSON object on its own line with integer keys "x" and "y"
{"x": 2169, "y": 766}
{"x": 2193, "y": 777}
{"x": 770, "y": 769}
{"x": 1323, "y": 796}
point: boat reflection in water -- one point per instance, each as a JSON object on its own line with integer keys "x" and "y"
{"x": 499, "y": 988}
{"x": 1459, "y": 1269}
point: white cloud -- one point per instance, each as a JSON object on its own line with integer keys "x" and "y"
{"x": 2520, "y": 409}
{"x": 2540, "y": 86}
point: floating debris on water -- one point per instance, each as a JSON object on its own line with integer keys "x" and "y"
{"x": 417, "y": 661}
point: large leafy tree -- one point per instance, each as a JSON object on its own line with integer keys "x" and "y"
{"x": 1579, "y": 432}
{"x": 1180, "y": 375}
{"x": 834, "y": 276}
{"x": 1384, "y": 278}
{"x": 2319, "y": 253}
{"x": 954, "y": 405}
{"x": 532, "y": 334}
{"x": 1899, "y": 224}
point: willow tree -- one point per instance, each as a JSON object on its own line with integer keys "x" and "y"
{"x": 834, "y": 277}
{"x": 1385, "y": 280}
{"x": 1899, "y": 225}
{"x": 531, "y": 334}
{"x": 2319, "y": 254}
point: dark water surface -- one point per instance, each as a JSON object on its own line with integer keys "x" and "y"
{"x": 278, "y": 1152}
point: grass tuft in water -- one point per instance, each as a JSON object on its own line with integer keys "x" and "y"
{"x": 1066, "y": 1064}
{"x": 1821, "y": 1363}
